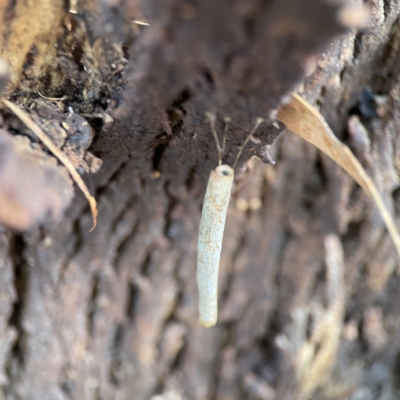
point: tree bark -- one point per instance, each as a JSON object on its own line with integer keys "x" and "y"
{"x": 308, "y": 282}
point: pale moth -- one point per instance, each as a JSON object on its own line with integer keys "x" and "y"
{"x": 212, "y": 226}
{"x": 303, "y": 120}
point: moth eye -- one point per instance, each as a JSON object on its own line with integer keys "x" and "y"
{"x": 225, "y": 172}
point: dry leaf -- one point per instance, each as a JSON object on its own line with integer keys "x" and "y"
{"x": 303, "y": 120}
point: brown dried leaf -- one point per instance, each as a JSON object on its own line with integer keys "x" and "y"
{"x": 303, "y": 120}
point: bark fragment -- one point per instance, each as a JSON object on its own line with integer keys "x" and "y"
{"x": 32, "y": 186}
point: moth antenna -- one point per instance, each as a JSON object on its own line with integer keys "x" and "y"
{"x": 211, "y": 118}
{"x": 226, "y": 120}
{"x": 257, "y": 124}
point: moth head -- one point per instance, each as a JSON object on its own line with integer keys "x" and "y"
{"x": 224, "y": 171}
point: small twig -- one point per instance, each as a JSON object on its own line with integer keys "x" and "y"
{"x": 56, "y": 99}
{"x": 138, "y": 22}
{"x": 26, "y": 119}
{"x": 52, "y": 98}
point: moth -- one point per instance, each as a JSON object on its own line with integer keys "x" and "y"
{"x": 212, "y": 224}
{"x": 302, "y": 119}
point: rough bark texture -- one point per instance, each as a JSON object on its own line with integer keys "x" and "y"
{"x": 112, "y": 314}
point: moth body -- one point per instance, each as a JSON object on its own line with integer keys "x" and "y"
{"x": 212, "y": 226}
{"x": 211, "y": 232}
